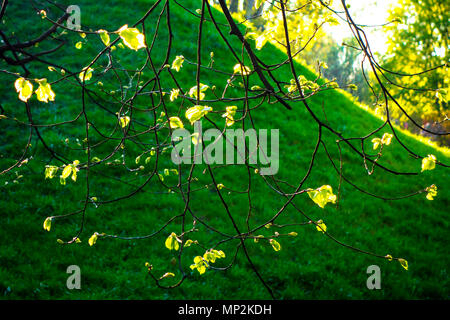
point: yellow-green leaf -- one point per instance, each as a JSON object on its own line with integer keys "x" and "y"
{"x": 229, "y": 115}
{"x": 86, "y": 74}
{"x": 66, "y": 171}
{"x": 195, "y": 138}
{"x": 175, "y": 123}
{"x": 24, "y": 88}
{"x": 44, "y": 92}
{"x": 50, "y": 171}
{"x": 172, "y": 242}
{"x": 124, "y": 121}
{"x": 321, "y": 226}
{"x": 167, "y": 275}
{"x": 197, "y": 112}
{"x": 132, "y": 37}
{"x": 209, "y": 257}
{"x": 386, "y": 139}
{"x": 189, "y": 242}
{"x": 93, "y": 239}
{"x": 431, "y": 192}
{"x": 256, "y": 239}
{"x": 241, "y": 69}
{"x": 429, "y": 162}
{"x": 177, "y": 63}
{"x": 212, "y": 254}
{"x": 321, "y": 196}
{"x": 48, "y": 223}
{"x": 403, "y": 263}
{"x": 193, "y": 92}
{"x": 275, "y": 245}
{"x": 200, "y": 264}
{"x": 376, "y": 143}
{"x": 174, "y": 94}
{"x": 104, "y": 36}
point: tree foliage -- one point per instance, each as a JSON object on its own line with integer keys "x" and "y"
{"x": 418, "y": 56}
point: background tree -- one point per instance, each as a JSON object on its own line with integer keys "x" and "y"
{"x": 418, "y": 56}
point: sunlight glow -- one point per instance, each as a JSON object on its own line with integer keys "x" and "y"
{"x": 370, "y": 13}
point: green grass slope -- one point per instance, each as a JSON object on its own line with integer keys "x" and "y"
{"x": 311, "y": 266}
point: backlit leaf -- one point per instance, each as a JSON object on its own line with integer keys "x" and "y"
{"x": 132, "y": 37}
{"x": 429, "y": 162}
{"x": 104, "y": 36}
{"x": 403, "y": 263}
{"x": 175, "y": 123}
{"x": 177, "y": 63}
{"x": 321, "y": 196}
{"x": 275, "y": 245}
{"x": 172, "y": 242}
{"x": 44, "y": 92}
{"x": 48, "y": 223}
{"x": 24, "y": 88}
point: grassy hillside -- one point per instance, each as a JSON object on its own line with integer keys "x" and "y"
{"x": 310, "y": 266}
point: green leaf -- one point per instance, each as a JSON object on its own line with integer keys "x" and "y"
{"x": 48, "y": 223}
{"x": 24, "y": 88}
{"x": 193, "y": 93}
{"x": 175, "y": 123}
{"x": 321, "y": 196}
{"x": 241, "y": 69}
{"x": 429, "y": 162}
{"x": 86, "y": 74}
{"x": 172, "y": 242}
{"x": 174, "y": 94}
{"x": 376, "y": 143}
{"x": 44, "y": 92}
{"x": 200, "y": 264}
{"x": 93, "y": 239}
{"x": 177, "y": 63}
{"x": 104, "y": 36}
{"x": 196, "y": 113}
{"x": 322, "y": 227}
{"x": 403, "y": 263}
{"x": 431, "y": 192}
{"x": 229, "y": 115}
{"x": 132, "y": 38}
{"x": 50, "y": 171}
{"x": 275, "y": 245}
{"x": 386, "y": 139}
{"x": 66, "y": 171}
{"x": 124, "y": 121}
